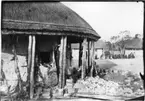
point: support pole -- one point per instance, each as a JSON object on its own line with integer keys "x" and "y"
{"x": 88, "y": 69}
{"x": 62, "y": 62}
{"x": 69, "y": 50}
{"x": 0, "y": 49}
{"x": 32, "y": 68}
{"x": 29, "y": 58}
{"x": 92, "y": 57}
{"x": 88, "y": 54}
{"x": 80, "y": 54}
{"x": 84, "y": 59}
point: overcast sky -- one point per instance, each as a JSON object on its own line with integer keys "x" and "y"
{"x": 109, "y": 18}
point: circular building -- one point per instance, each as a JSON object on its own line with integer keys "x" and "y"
{"x": 37, "y": 33}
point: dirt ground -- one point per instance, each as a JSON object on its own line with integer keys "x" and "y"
{"x": 133, "y": 65}
{"x": 124, "y": 80}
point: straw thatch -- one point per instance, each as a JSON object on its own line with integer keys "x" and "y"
{"x": 50, "y": 18}
{"x": 100, "y": 44}
{"x": 135, "y": 43}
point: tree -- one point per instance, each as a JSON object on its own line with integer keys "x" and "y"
{"x": 113, "y": 39}
{"x": 120, "y": 40}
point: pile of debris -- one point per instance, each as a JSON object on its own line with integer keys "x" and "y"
{"x": 100, "y": 86}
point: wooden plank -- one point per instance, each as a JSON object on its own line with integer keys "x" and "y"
{"x": 84, "y": 58}
{"x": 32, "y": 68}
{"x": 64, "y": 61}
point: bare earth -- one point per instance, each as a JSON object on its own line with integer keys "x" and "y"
{"x": 106, "y": 89}
{"x": 133, "y": 65}
{"x": 127, "y": 82}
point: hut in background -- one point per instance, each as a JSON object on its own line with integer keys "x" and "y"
{"x": 100, "y": 48}
{"x": 42, "y": 32}
{"x": 134, "y": 46}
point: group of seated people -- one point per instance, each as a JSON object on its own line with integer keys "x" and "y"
{"x": 123, "y": 56}
{"x": 117, "y": 56}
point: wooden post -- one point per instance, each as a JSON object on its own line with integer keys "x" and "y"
{"x": 80, "y": 54}
{"x": 84, "y": 58}
{"x": 91, "y": 50}
{"x": 29, "y": 58}
{"x": 70, "y": 54}
{"x": 62, "y": 62}
{"x": 88, "y": 53}
{"x": 0, "y": 48}
{"x": 0, "y": 56}
{"x": 92, "y": 57}
{"x": 88, "y": 69}
{"x": 32, "y": 67}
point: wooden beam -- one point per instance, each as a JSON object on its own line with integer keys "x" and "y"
{"x": 88, "y": 58}
{"x": 60, "y": 62}
{"x": 70, "y": 54}
{"x": 92, "y": 57}
{"x": 29, "y": 59}
{"x": 32, "y": 68}
{"x": 0, "y": 53}
{"x": 84, "y": 58}
{"x": 64, "y": 61}
{"x": 80, "y": 54}
{"x": 91, "y": 53}
{"x": 88, "y": 53}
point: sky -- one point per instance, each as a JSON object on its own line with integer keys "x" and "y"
{"x": 109, "y": 18}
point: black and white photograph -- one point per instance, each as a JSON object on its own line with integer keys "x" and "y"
{"x": 72, "y": 51}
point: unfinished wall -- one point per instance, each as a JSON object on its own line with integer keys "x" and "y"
{"x": 43, "y": 43}
{"x": 8, "y": 59}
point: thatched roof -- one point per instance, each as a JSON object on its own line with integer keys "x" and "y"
{"x": 135, "y": 43}
{"x": 100, "y": 44}
{"x": 50, "y": 18}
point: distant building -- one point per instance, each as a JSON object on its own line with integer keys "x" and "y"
{"x": 135, "y": 46}
{"x": 100, "y": 48}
